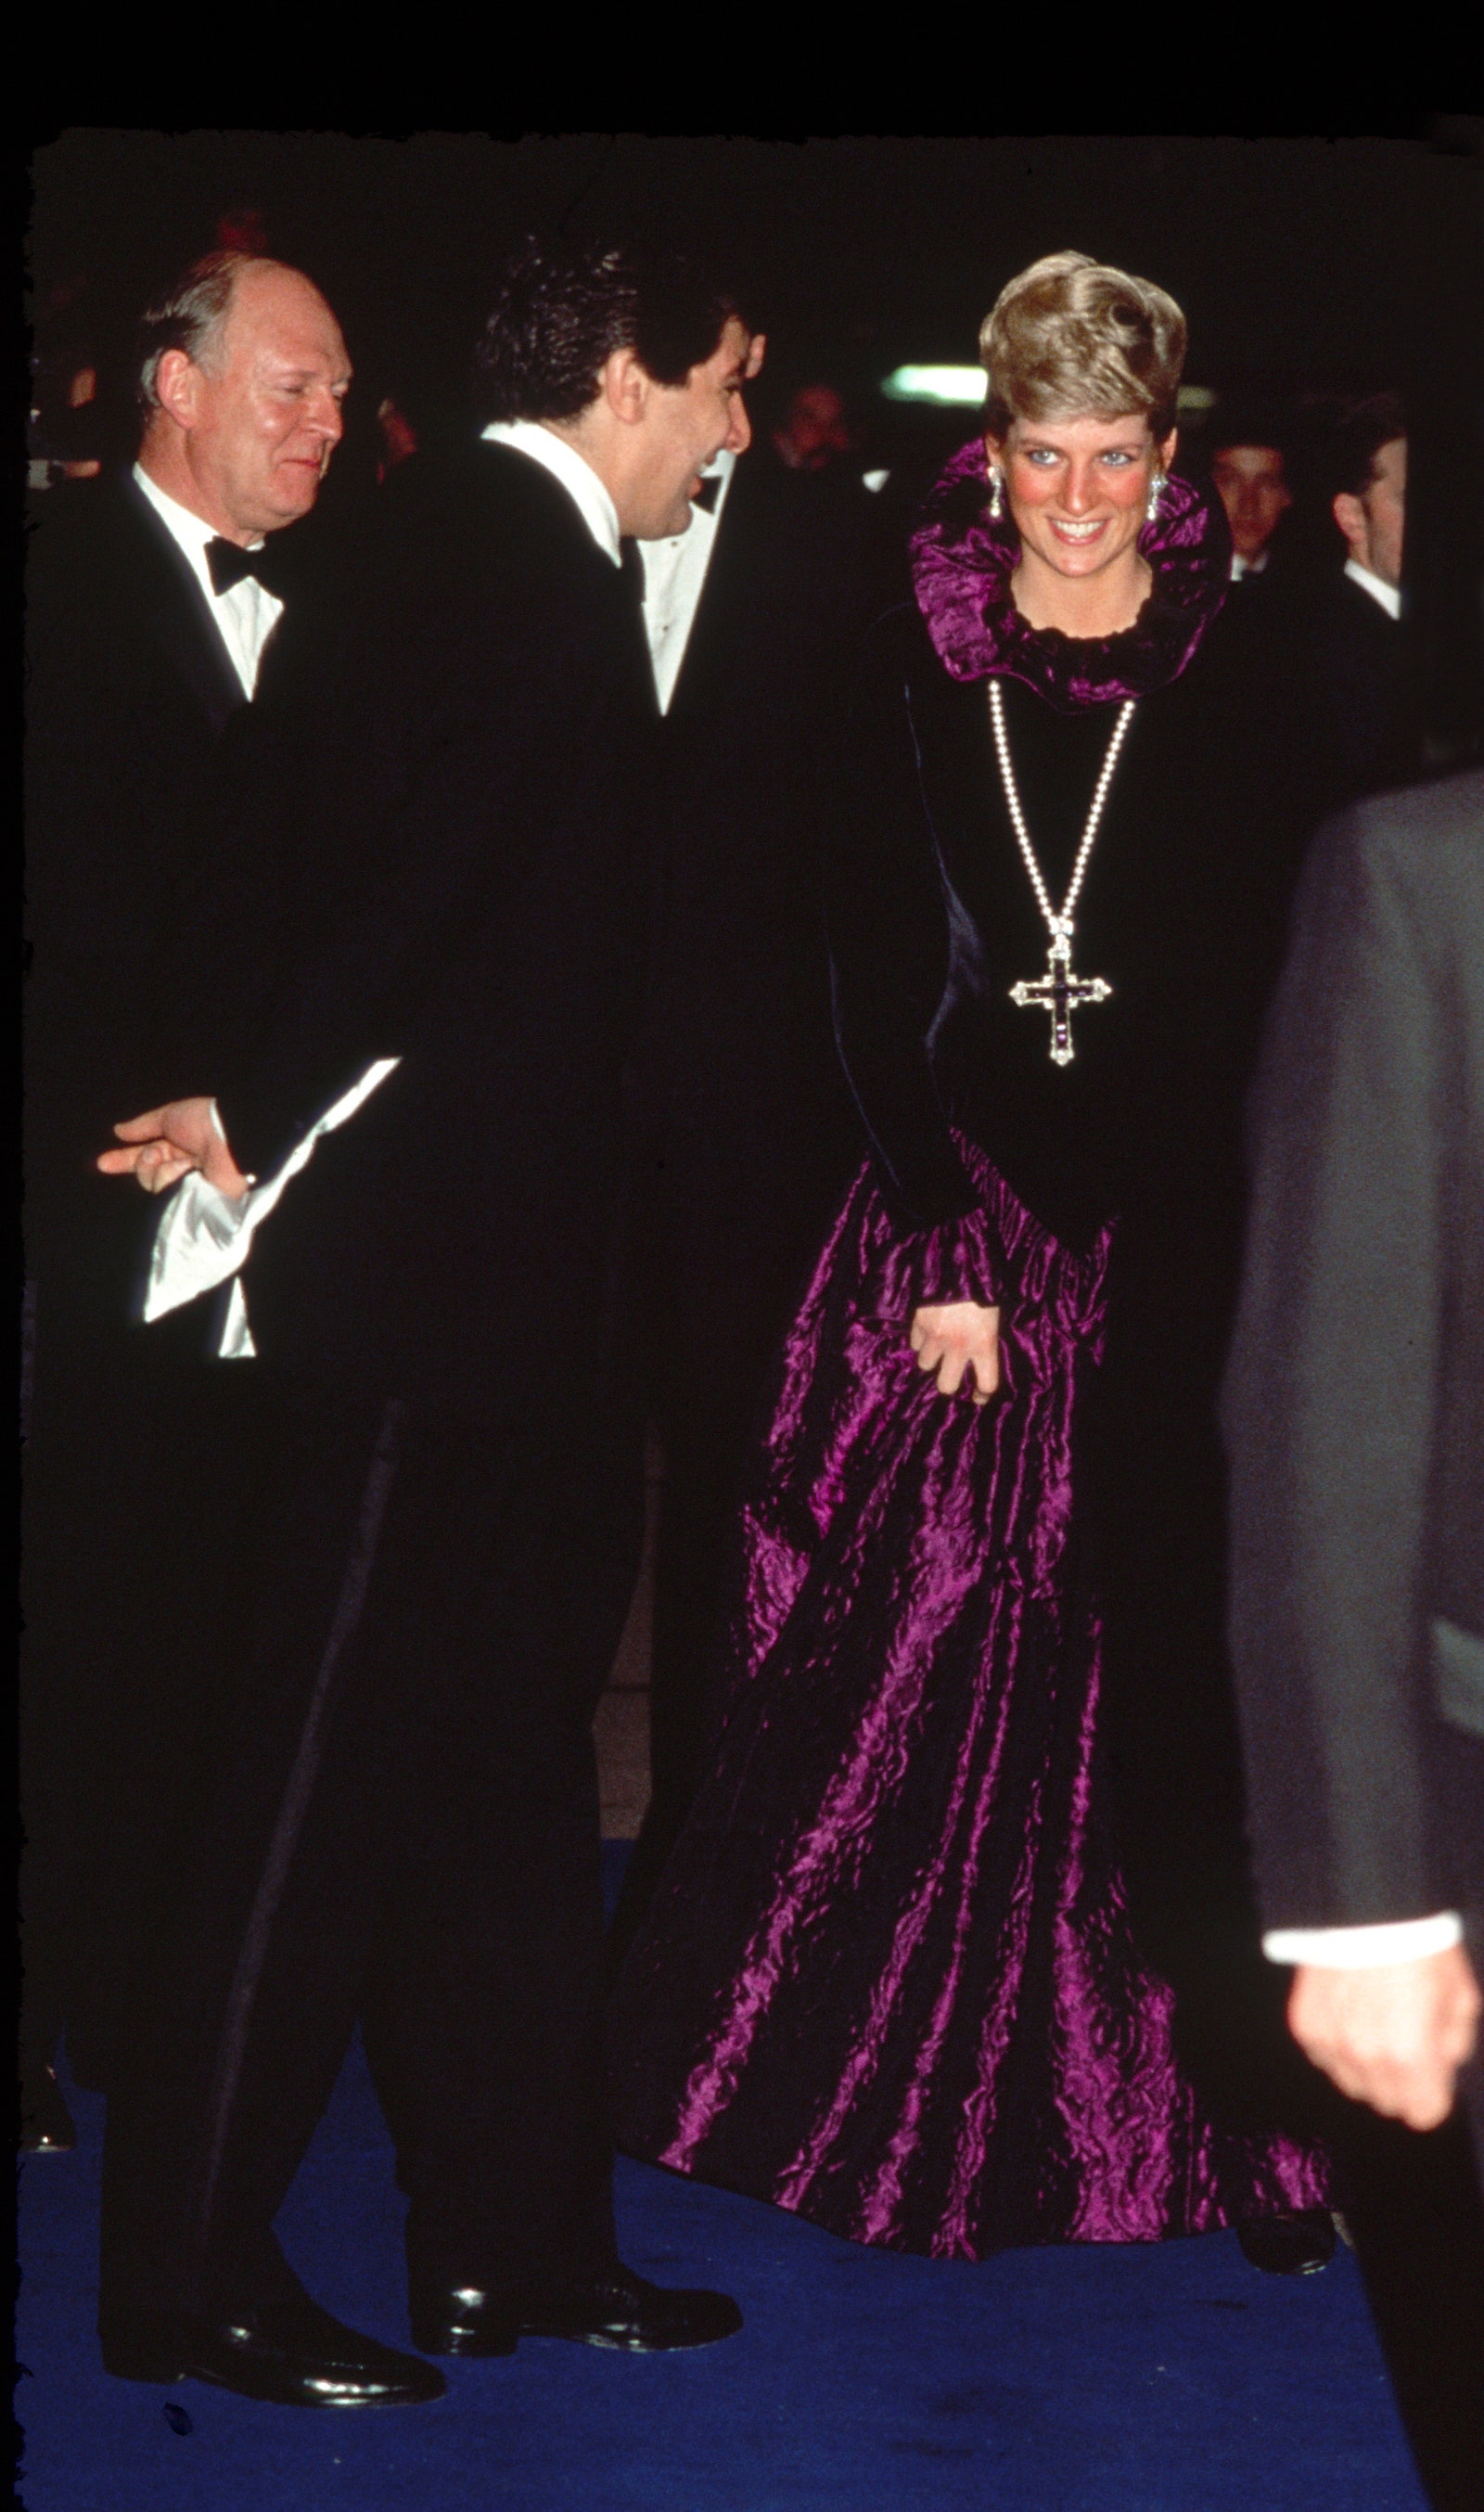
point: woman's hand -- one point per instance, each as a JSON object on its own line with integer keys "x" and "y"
{"x": 960, "y": 1337}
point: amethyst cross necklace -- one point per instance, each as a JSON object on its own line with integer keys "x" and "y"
{"x": 1059, "y": 990}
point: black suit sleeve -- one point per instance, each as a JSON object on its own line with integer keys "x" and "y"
{"x": 1333, "y": 1395}
{"x": 400, "y": 781}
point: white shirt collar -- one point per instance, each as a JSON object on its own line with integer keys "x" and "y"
{"x": 576, "y": 475}
{"x": 1388, "y": 595}
{"x": 675, "y": 575}
{"x": 191, "y": 530}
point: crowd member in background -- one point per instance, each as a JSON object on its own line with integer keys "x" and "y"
{"x": 1361, "y": 651}
{"x": 394, "y": 1816}
{"x": 752, "y": 616}
{"x": 1249, "y": 472}
{"x": 814, "y": 431}
{"x": 1357, "y": 1609}
{"x": 150, "y": 613}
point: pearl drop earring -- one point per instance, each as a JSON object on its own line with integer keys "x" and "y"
{"x": 1155, "y": 492}
{"x": 996, "y": 494}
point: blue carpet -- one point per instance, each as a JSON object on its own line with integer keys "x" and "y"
{"x": 1098, "y": 2380}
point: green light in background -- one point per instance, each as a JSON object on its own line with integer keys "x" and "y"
{"x": 948, "y": 387}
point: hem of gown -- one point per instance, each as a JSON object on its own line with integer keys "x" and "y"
{"x": 1218, "y": 2216}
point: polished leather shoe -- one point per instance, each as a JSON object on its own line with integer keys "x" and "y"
{"x": 1299, "y": 2244}
{"x": 47, "y": 2126}
{"x": 287, "y": 2352}
{"x": 464, "y": 2319}
{"x": 615, "y": 2308}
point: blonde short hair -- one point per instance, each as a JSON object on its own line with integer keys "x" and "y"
{"x": 1071, "y": 338}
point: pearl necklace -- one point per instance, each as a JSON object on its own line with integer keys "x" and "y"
{"x": 1058, "y": 991}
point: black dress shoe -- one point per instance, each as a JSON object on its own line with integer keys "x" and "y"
{"x": 614, "y": 2308}
{"x": 464, "y": 2319}
{"x": 47, "y": 2126}
{"x": 1294, "y": 2245}
{"x": 621, "y": 2309}
{"x": 289, "y": 2353}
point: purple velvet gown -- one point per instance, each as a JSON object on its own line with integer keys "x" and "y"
{"x": 889, "y": 1979}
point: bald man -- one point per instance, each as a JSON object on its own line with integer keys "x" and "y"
{"x": 149, "y": 610}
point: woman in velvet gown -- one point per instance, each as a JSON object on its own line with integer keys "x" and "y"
{"x": 956, "y": 1951}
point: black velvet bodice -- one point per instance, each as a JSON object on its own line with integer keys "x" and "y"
{"x": 934, "y": 920}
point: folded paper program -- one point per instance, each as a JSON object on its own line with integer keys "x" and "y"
{"x": 205, "y": 1237}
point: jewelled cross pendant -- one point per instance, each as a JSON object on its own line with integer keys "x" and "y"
{"x": 1058, "y": 991}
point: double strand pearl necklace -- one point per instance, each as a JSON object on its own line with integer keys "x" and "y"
{"x": 1058, "y": 991}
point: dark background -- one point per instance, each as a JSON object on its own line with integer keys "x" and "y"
{"x": 1310, "y": 268}
{"x": 1312, "y": 260}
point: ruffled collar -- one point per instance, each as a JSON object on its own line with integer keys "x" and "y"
{"x": 962, "y": 560}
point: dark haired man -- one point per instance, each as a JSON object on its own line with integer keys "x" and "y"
{"x": 1358, "y": 642}
{"x": 397, "y": 1815}
{"x": 1249, "y": 474}
{"x": 149, "y": 611}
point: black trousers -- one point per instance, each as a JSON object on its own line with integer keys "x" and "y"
{"x": 392, "y": 1817}
{"x": 1417, "y": 2213}
{"x": 113, "y": 1417}
{"x": 731, "y": 1244}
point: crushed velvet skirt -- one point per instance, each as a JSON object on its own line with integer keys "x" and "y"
{"x": 889, "y": 1979}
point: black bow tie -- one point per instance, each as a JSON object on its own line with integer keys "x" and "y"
{"x": 708, "y": 492}
{"x": 227, "y": 564}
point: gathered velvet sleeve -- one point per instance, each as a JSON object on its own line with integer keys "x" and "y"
{"x": 887, "y": 919}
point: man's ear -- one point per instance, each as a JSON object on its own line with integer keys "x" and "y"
{"x": 1349, "y": 514}
{"x": 626, "y": 387}
{"x": 178, "y": 382}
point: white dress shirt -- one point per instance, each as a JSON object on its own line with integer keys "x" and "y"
{"x": 1388, "y": 595}
{"x": 674, "y": 573}
{"x": 248, "y": 613}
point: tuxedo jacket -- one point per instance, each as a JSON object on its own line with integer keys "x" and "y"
{"x": 752, "y": 1135}
{"x": 130, "y": 699}
{"x": 1354, "y": 1400}
{"x": 452, "y": 793}
{"x": 1356, "y": 659}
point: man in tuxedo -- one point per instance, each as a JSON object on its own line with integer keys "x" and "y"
{"x": 1353, "y": 625}
{"x": 1249, "y": 473}
{"x": 396, "y": 1817}
{"x": 148, "y": 615}
{"x": 1354, "y": 1411}
{"x": 753, "y": 619}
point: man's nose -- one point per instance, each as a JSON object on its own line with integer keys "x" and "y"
{"x": 739, "y": 435}
{"x": 327, "y": 417}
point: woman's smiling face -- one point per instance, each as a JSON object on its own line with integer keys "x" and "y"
{"x": 1079, "y": 489}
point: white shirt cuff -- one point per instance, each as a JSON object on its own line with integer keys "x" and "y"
{"x": 1393, "y": 1941}
{"x": 204, "y": 1235}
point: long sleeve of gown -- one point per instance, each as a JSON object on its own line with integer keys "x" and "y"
{"x": 889, "y": 949}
